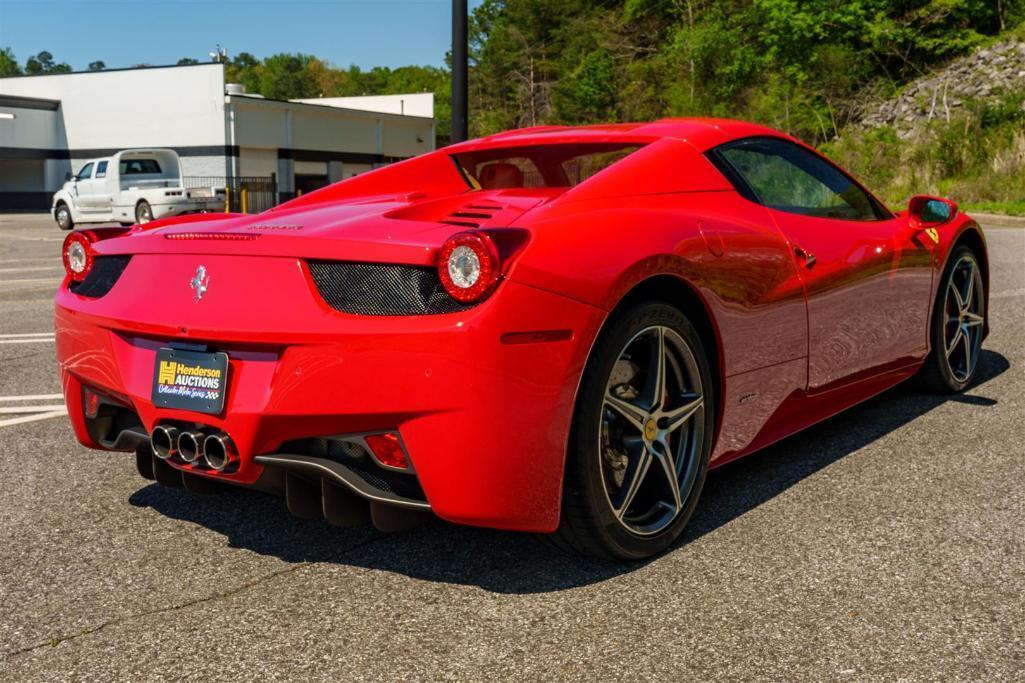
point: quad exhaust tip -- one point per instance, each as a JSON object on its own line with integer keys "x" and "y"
{"x": 216, "y": 451}
{"x": 164, "y": 441}
{"x": 219, "y": 452}
{"x": 190, "y": 446}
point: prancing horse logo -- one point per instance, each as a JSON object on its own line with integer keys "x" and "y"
{"x": 200, "y": 283}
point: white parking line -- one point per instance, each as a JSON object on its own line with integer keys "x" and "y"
{"x": 34, "y": 340}
{"x": 22, "y": 238}
{"x": 33, "y": 397}
{"x": 30, "y": 269}
{"x": 26, "y": 281}
{"x": 20, "y": 335}
{"x": 17, "y": 410}
{"x": 31, "y": 418}
{"x": 48, "y": 259}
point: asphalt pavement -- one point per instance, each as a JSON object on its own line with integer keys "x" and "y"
{"x": 887, "y": 543}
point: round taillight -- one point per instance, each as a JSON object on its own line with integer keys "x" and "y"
{"x": 468, "y": 266}
{"x": 78, "y": 255}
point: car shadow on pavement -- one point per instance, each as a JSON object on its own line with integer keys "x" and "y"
{"x": 505, "y": 562}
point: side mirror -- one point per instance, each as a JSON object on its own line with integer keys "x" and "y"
{"x": 68, "y": 176}
{"x": 928, "y": 212}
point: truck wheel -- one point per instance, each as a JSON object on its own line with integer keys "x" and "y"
{"x": 63, "y": 217}
{"x": 143, "y": 212}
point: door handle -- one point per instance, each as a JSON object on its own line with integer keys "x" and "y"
{"x": 806, "y": 256}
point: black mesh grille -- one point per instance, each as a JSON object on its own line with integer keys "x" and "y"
{"x": 105, "y": 272}
{"x": 382, "y": 289}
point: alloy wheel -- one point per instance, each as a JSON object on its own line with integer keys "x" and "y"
{"x": 964, "y": 318}
{"x": 651, "y": 430}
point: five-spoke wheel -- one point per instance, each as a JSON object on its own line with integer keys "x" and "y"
{"x": 962, "y": 335}
{"x": 959, "y": 322}
{"x": 641, "y": 437}
{"x": 651, "y": 425}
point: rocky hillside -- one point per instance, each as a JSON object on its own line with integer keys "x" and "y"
{"x": 938, "y": 96}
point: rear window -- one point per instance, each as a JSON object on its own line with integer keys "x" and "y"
{"x": 539, "y": 165}
{"x": 139, "y": 166}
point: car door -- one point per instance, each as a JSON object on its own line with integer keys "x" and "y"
{"x": 90, "y": 188}
{"x": 93, "y": 192}
{"x": 82, "y": 186}
{"x": 867, "y": 276}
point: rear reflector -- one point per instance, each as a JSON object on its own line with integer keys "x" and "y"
{"x": 90, "y": 403}
{"x": 387, "y": 449}
{"x": 539, "y": 337}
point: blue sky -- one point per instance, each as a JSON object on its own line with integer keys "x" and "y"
{"x": 122, "y": 33}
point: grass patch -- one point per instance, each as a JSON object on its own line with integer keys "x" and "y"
{"x": 977, "y": 158}
{"x": 1014, "y": 208}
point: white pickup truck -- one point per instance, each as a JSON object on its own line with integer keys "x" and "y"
{"x": 132, "y": 186}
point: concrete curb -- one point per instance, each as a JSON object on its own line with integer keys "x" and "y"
{"x": 998, "y": 219}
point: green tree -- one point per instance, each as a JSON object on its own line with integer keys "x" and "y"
{"x": 244, "y": 68}
{"x": 588, "y": 94}
{"x": 287, "y": 76}
{"x": 187, "y": 61}
{"x": 43, "y": 63}
{"x": 800, "y": 65}
{"x": 8, "y": 64}
{"x": 98, "y": 65}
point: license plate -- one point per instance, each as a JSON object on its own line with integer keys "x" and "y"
{"x": 190, "y": 380}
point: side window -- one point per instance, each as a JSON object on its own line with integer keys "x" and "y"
{"x": 786, "y": 177}
{"x": 101, "y": 169}
{"x": 86, "y": 172}
{"x": 139, "y": 167}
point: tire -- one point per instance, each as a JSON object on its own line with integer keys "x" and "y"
{"x": 126, "y": 224}
{"x": 603, "y": 515}
{"x": 956, "y": 328}
{"x": 62, "y": 214}
{"x": 143, "y": 212}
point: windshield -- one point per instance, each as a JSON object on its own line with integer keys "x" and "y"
{"x": 538, "y": 165}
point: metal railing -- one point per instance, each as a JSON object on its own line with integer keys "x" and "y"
{"x": 245, "y": 194}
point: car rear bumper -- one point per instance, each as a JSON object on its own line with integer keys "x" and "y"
{"x": 482, "y": 403}
{"x": 185, "y": 206}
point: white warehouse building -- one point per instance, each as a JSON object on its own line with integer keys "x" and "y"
{"x": 50, "y": 125}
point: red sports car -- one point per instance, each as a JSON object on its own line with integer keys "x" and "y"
{"x": 556, "y": 330}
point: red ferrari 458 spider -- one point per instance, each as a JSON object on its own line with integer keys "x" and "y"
{"x": 556, "y": 330}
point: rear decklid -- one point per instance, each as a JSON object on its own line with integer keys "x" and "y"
{"x": 385, "y": 230}
{"x": 243, "y": 278}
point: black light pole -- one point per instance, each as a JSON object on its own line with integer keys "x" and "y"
{"x": 460, "y": 98}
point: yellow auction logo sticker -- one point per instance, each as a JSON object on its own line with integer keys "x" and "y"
{"x": 167, "y": 374}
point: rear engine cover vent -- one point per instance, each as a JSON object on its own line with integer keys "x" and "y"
{"x": 102, "y": 278}
{"x": 382, "y": 289}
{"x": 473, "y": 215}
